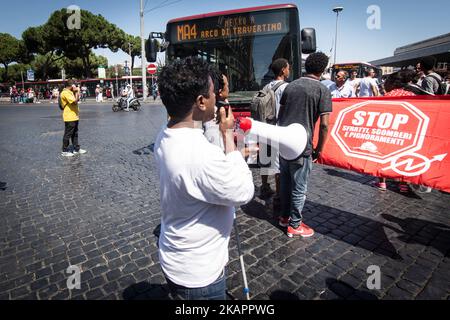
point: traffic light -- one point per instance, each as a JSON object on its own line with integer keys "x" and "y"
{"x": 150, "y": 49}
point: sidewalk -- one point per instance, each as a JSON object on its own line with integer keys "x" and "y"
{"x": 7, "y": 101}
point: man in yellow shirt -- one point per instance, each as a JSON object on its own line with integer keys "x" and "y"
{"x": 69, "y": 101}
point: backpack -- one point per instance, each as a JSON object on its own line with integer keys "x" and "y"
{"x": 442, "y": 88}
{"x": 263, "y": 105}
{"x": 60, "y": 105}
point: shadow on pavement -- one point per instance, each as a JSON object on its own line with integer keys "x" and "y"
{"x": 347, "y": 175}
{"x": 283, "y": 295}
{"x": 2, "y": 185}
{"x": 350, "y": 228}
{"x": 146, "y": 291}
{"x": 258, "y": 210}
{"x": 344, "y": 291}
{"x": 421, "y": 232}
{"x": 145, "y": 150}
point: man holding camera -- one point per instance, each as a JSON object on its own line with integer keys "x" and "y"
{"x": 69, "y": 103}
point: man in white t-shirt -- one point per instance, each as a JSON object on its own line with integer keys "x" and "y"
{"x": 200, "y": 184}
{"x": 341, "y": 88}
{"x": 368, "y": 86}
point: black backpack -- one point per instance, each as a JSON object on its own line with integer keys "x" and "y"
{"x": 263, "y": 105}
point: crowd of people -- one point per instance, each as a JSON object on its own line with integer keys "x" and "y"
{"x": 26, "y": 96}
{"x": 423, "y": 80}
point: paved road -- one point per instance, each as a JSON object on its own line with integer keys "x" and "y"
{"x": 100, "y": 211}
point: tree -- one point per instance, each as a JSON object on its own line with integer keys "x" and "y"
{"x": 74, "y": 68}
{"x": 36, "y": 40}
{"x": 11, "y": 50}
{"x": 47, "y": 66}
{"x": 95, "y": 32}
{"x": 135, "y": 43}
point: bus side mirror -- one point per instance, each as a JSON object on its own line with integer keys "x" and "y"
{"x": 308, "y": 40}
{"x": 151, "y": 49}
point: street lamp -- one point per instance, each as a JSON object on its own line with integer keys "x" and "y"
{"x": 337, "y": 10}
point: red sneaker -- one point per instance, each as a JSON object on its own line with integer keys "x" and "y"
{"x": 303, "y": 231}
{"x": 283, "y": 221}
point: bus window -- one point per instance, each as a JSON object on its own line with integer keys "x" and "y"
{"x": 245, "y": 61}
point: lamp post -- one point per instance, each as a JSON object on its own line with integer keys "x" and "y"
{"x": 337, "y": 10}
{"x": 131, "y": 65}
{"x": 143, "y": 59}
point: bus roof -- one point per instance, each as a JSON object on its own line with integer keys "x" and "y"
{"x": 356, "y": 62}
{"x": 228, "y": 12}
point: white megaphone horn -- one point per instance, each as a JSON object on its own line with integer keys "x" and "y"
{"x": 290, "y": 141}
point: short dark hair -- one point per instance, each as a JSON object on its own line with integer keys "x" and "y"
{"x": 278, "y": 65}
{"x": 316, "y": 63}
{"x": 368, "y": 71}
{"x": 427, "y": 63}
{"x": 181, "y": 82}
{"x": 70, "y": 82}
{"x": 399, "y": 79}
{"x": 393, "y": 81}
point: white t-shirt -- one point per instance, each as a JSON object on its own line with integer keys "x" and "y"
{"x": 199, "y": 186}
{"x": 365, "y": 87}
{"x": 278, "y": 93}
{"x": 275, "y": 155}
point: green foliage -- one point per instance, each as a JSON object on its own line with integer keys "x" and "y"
{"x": 11, "y": 50}
{"x": 133, "y": 43}
{"x": 74, "y": 68}
{"x": 95, "y": 32}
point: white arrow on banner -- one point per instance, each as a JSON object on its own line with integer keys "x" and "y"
{"x": 426, "y": 164}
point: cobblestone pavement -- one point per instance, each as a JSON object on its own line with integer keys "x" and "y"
{"x": 100, "y": 211}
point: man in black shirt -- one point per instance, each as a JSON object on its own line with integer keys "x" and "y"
{"x": 304, "y": 101}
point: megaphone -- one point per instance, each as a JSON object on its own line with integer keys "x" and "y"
{"x": 290, "y": 141}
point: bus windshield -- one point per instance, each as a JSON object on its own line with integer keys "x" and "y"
{"x": 241, "y": 45}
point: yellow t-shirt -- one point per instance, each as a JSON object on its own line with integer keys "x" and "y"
{"x": 70, "y": 104}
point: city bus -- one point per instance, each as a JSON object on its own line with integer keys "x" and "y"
{"x": 359, "y": 67}
{"x": 242, "y": 43}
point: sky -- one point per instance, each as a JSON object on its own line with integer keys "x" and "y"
{"x": 401, "y": 21}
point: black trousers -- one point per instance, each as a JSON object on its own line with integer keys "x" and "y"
{"x": 70, "y": 133}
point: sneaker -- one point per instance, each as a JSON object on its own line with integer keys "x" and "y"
{"x": 303, "y": 231}
{"x": 67, "y": 154}
{"x": 283, "y": 221}
{"x": 380, "y": 185}
{"x": 81, "y": 151}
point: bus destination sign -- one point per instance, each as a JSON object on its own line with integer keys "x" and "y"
{"x": 213, "y": 28}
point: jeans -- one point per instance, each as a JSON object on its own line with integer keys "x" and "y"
{"x": 293, "y": 186}
{"x": 70, "y": 133}
{"x": 214, "y": 291}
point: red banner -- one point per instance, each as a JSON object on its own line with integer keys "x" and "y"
{"x": 405, "y": 138}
